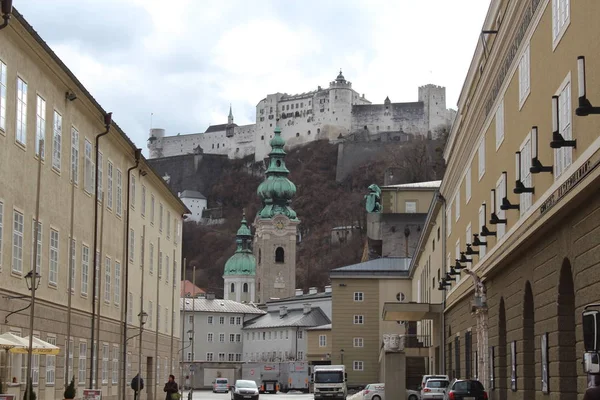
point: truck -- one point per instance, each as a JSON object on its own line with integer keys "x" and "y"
{"x": 329, "y": 382}
{"x": 272, "y": 377}
{"x": 295, "y": 376}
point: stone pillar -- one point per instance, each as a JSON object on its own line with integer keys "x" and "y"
{"x": 252, "y": 292}
{"x": 394, "y": 365}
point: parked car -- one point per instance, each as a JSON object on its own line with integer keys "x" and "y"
{"x": 427, "y": 377}
{"x": 376, "y": 391}
{"x": 466, "y": 389}
{"x": 221, "y": 385}
{"x": 244, "y": 390}
{"x": 434, "y": 389}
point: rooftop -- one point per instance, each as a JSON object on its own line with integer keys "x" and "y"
{"x": 378, "y": 266}
{"x": 217, "y": 128}
{"x": 192, "y": 194}
{"x": 218, "y": 306}
{"x": 320, "y": 328}
{"x": 272, "y": 319}
{"x": 422, "y": 185}
{"x": 189, "y": 287}
{"x": 302, "y": 297}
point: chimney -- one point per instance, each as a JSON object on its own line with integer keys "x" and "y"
{"x": 282, "y": 311}
{"x": 299, "y": 292}
{"x": 312, "y": 290}
{"x": 328, "y": 289}
{"x": 307, "y": 308}
{"x": 210, "y": 296}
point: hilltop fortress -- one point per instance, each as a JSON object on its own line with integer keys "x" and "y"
{"x": 332, "y": 113}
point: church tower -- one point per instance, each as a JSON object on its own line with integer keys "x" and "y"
{"x": 229, "y": 129}
{"x": 240, "y": 269}
{"x": 276, "y": 226}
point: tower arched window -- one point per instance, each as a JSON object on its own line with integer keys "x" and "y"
{"x": 259, "y": 256}
{"x": 232, "y": 288}
{"x": 279, "y": 255}
{"x": 245, "y": 288}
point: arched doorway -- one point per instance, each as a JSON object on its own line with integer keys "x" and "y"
{"x": 528, "y": 344}
{"x": 501, "y": 383}
{"x": 567, "y": 355}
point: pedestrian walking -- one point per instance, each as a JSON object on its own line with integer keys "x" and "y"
{"x": 171, "y": 389}
{"x": 137, "y": 384}
{"x": 593, "y": 391}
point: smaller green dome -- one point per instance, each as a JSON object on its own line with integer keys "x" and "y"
{"x": 242, "y": 262}
{"x": 244, "y": 229}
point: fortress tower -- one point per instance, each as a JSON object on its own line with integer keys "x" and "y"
{"x": 276, "y": 227}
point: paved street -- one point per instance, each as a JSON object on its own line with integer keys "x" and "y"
{"x": 208, "y": 395}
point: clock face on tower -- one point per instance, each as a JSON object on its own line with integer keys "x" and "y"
{"x": 279, "y": 225}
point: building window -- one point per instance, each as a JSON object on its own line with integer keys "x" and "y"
{"x": 51, "y": 364}
{"x": 209, "y": 319}
{"x": 231, "y": 320}
{"x": 232, "y": 338}
{"x": 131, "y": 244}
{"x": 358, "y": 342}
{"x": 119, "y": 200}
{"x": 457, "y": 206}
{"x": 482, "y": 223}
{"x": 524, "y": 76}
{"x": 300, "y": 334}
{"x": 358, "y": 365}
{"x": 500, "y": 124}
{"x": 238, "y": 337}
{"x": 359, "y": 320}
{"x": 72, "y": 251}
{"x": 152, "y": 209}
{"x": 322, "y": 340}
{"x": 143, "y": 200}
{"x": 526, "y": 199}
{"x": 159, "y": 266}
{"x": 130, "y": 308}
{"x": 209, "y": 356}
{"x": 221, "y": 356}
{"x": 160, "y": 217}
{"x": 105, "y": 363}
{"x": 150, "y": 313}
{"x": 151, "y": 258}
{"x": 56, "y": 140}
{"x": 53, "y": 270}
{"x": 563, "y": 157}
{"x": 115, "y": 365}
{"x": 245, "y": 287}
{"x": 1, "y": 222}
{"x": 359, "y": 296}
{"x": 221, "y": 320}
{"x": 481, "y": 157}
{"x": 468, "y": 186}
{"x": 21, "y": 128}
{"x": 279, "y": 255}
{"x": 109, "y": 185}
{"x": 457, "y": 356}
{"x": 82, "y": 363}
{"x": 232, "y": 288}
{"x": 2, "y": 96}
{"x": 191, "y": 319}
{"x": 74, "y": 155}
{"x": 168, "y": 225}
{"x": 468, "y": 234}
{"x": 500, "y": 194}
{"x": 107, "y": 276}
{"x": 221, "y": 338}
{"x": 117, "y": 292}
{"x": 449, "y": 220}
{"x": 17, "y": 254}
{"x": 85, "y": 267}
{"x": 88, "y": 178}
{"x": 230, "y": 357}
{"x": 40, "y": 127}
{"x": 99, "y": 171}
{"x": 410, "y": 207}
{"x": 167, "y": 268}
{"x": 37, "y": 242}
{"x": 238, "y": 320}
{"x": 132, "y": 193}
{"x": 561, "y": 17}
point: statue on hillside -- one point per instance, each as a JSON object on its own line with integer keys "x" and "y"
{"x": 373, "y": 199}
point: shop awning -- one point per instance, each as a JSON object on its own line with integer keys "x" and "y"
{"x": 411, "y": 311}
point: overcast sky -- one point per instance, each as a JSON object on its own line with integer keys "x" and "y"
{"x": 185, "y": 61}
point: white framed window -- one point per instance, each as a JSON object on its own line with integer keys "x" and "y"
{"x": 40, "y": 127}
{"x": 322, "y": 340}
{"x": 35, "y": 366}
{"x": 97, "y": 280}
{"x": 359, "y": 319}
{"x": 221, "y": 320}
{"x": 481, "y": 158}
{"x": 232, "y": 337}
{"x": 115, "y": 364}
{"x": 238, "y": 337}
{"x": 2, "y": 96}
{"x": 131, "y": 244}
{"x": 150, "y": 313}
{"x": 130, "y": 308}
{"x": 500, "y": 194}
{"x": 74, "y": 155}
{"x": 209, "y": 356}
{"x": 69, "y": 375}
{"x": 359, "y": 296}
{"x": 449, "y": 220}
{"x": 468, "y": 186}
{"x": 238, "y": 320}
{"x": 132, "y": 194}
{"x": 100, "y": 172}
{"x": 38, "y": 242}
{"x": 358, "y": 365}
{"x": 238, "y": 356}
{"x": 21, "y": 128}
{"x": 160, "y": 217}
{"x": 209, "y": 319}
{"x": 500, "y": 124}
{"x": 167, "y": 319}
{"x": 526, "y": 199}
{"x": 160, "y": 267}
{"x": 457, "y": 206}
{"x": 81, "y": 368}
{"x": 143, "y": 210}
{"x": 56, "y": 140}
{"x": 563, "y": 157}
{"x": 231, "y": 320}
{"x": 1, "y": 230}
{"x": 221, "y": 357}
{"x": 221, "y": 338}
{"x": 561, "y": 17}
{"x": 152, "y": 201}
{"x": 158, "y": 317}
{"x": 300, "y": 334}
{"x": 109, "y": 185}
{"x": 51, "y": 363}
{"x": 358, "y": 342}
{"x": 167, "y": 268}
{"x": 168, "y": 225}
{"x": 468, "y": 234}
{"x": 117, "y": 292}
{"x": 482, "y": 222}
{"x": 72, "y": 268}
{"x": 524, "y": 76}
{"x": 119, "y": 199}
{"x": 85, "y": 268}
{"x": 410, "y": 207}
{"x": 17, "y": 252}
{"x": 457, "y": 255}
{"x": 157, "y": 369}
{"x": 151, "y": 258}
{"x": 88, "y": 168}
{"x": 105, "y": 356}
{"x": 107, "y": 278}
{"x": 209, "y": 337}
{"x": 53, "y": 269}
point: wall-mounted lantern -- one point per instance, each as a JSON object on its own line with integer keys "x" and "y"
{"x": 494, "y": 220}
{"x": 506, "y": 204}
{"x": 536, "y": 165}
{"x": 585, "y": 107}
{"x": 519, "y": 186}
{"x": 558, "y": 140}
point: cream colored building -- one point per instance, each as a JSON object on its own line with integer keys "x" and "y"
{"x": 318, "y": 344}
{"x": 42, "y": 99}
{"x": 534, "y": 250}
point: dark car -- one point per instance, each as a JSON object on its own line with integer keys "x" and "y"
{"x": 244, "y": 390}
{"x": 466, "y": 389}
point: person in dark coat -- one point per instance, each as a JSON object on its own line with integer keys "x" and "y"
{"x": 137, "y": 384}
{"x": 593, "y": 391}
{"x": 171, "y": 387}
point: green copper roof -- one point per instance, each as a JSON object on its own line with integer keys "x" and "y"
{"x": 276, "y": 191}
{"x": 242, "y": 262}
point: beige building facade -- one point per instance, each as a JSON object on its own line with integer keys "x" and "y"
{"x": 318, "y": 344}
{"x": 42, "y": 101}
{"x": 518, "y": 205}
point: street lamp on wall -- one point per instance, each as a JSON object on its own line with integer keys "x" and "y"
{"x": 6, "y": 12}
{"x": 30, "y": 280}
{"x": 32, "y": 283}
{"x": 585, "y": 107}
{"x": 143, "y": 317}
